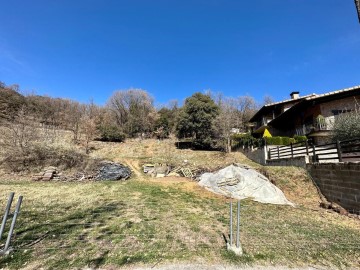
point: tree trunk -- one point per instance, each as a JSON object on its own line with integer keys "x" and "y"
{"x": 228, "y": 145}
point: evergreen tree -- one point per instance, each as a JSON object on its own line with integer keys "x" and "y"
{"x": 196, "y": 120}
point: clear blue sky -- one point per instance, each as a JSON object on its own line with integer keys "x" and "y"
{"x": 84, "y": 49}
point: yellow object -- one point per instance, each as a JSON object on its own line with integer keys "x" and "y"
{"x": 266, "y": 133}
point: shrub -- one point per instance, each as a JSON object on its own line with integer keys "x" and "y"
{"x": 111, "y": 134}
{"x": 347, "y": 126}
{"x": 300, "y": 138}
{"x": 37, "y": 156}
{"x": 277, "y": 140}
{"x": 245, "y": 139}
{"x": 280, "y": 140}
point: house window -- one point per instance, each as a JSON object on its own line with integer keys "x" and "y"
{"x": 337, "y": 112}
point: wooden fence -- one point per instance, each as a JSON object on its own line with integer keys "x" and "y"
{"x": 340, "y": 151}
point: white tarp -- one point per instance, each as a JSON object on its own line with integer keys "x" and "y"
{"x": 240, "y": 182}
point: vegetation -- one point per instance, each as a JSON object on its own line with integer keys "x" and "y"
{"x": 347, "y": 126}
{"x": 278, "y": 140}
{"x": 133, "y": 110}
{"x": 150, "y": 221}
{"x": 246, "y": 140}
{"x": 196, "y": 120}
{"x": 234, "y": 114}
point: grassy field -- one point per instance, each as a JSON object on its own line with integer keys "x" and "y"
{"x": 153, "y": 221}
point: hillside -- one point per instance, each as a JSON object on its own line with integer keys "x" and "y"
{"x": 154, "y": 221}
{"x": 10, "y": 102}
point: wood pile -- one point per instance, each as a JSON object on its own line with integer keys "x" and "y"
{"x": 49, "y": 173}
{"x": 159, "y": 170}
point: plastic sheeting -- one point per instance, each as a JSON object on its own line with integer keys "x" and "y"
{"x": 113, "y": 172}
{"x": 240, "y": 182}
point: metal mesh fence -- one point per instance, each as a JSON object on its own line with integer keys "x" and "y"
{"x": 119, "y": 230}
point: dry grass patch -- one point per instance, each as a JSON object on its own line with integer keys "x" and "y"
{"x": 145, "y": 220}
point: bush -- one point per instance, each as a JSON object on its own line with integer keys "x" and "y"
{"x": 274, "y": 140}
{"x": 277, "y": 140}
{"x": 37, "y": 156}
{"x": 299, "y": 139}
{"x": 347, "y": 126}
{"x": 111, "y": 134}
{"x": 245, "y": 140}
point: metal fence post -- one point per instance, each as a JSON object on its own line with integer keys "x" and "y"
{"x": 278, "y": 152}
{"x": 17, "y": 210}
{"x": 338, "y": 147}
{"x": 238, "y": 226}
{"x": 7, "y": 210}
{"x": 231, "y": 224}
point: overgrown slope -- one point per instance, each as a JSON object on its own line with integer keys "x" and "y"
{"x": 152, "y": 221}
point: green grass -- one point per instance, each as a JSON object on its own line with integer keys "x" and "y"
{"x": 111, "y": 224}
{"x": 99, "y": 224}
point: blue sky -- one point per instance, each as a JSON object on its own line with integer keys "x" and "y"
{"x": 172, "y": 48}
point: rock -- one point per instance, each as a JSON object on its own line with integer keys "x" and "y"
{"x": 174, "y": 174}
{"x": 113, "y": 172}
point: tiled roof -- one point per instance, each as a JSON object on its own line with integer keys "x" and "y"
{"x": 289, "y": 100}
{"x": 314, "y": 96}
{"x": 334, "y": 92}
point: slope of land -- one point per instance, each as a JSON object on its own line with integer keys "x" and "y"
{"x": 155, "y": 221}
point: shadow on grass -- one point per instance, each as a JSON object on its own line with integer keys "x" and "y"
{"x": 59, "y": 231}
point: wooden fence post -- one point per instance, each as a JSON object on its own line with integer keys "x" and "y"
{"x": 314, "y": 153}
{"x": 278, "y": 152}
{"x": 338, "y": 147}
{"x": 307, "y": 147}
{"x": 292, "y": 150}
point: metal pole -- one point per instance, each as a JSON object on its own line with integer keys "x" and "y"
{"x": 7, "y": 210}
{"x": 17, "y": 210}
{"x": 238, "y": 226}
{"x": 231, "y": 224}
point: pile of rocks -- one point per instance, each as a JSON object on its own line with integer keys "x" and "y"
{"x": 49, "y": 173}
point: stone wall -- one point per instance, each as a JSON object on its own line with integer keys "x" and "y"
{"x": 339, "y": 183}
{"x": 295, "y": 161}
{"x": 257, "y": 155}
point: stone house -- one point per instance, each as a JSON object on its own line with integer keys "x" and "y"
{"x": 312, "y": 115}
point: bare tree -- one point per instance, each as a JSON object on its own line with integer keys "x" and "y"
{"x": 88, "y": 125}
{"x": 246, "y": 107}
{"x": 73, "y": 117}
{"x": 226, "y": 121}
{"x": 134, "y": 110}
{"x": 268, "y": 100}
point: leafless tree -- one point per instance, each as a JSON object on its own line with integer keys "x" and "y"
{"x": 226, "y": 121}
{"x": 246, "y": 107}
{"x": 134, "y": 110}
{"x": 268, "y": 100}
{"x": 88, "y": 124}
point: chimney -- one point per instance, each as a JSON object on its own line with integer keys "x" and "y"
{"x": 295, "y": 95}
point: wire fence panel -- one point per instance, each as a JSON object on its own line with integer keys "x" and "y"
{"x": 114, "y": 232}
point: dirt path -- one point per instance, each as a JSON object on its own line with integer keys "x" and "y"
{"x": 135, "y": 167}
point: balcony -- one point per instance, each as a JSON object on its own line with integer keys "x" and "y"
{"x": 320, "y": 124}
